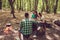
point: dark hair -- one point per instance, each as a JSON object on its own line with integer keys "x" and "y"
{"x": 35, "y": 12}
{"x": 8, "y": 25}
{"x": 40, "y": 14}
{"x": 26, "y": 15}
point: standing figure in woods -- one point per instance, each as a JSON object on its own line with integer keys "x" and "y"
{"x": 26, "y": 27}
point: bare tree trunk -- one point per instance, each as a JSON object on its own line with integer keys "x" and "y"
{"x": 20, "y": 8}
{"x": 36, "y": 4}
{"x": 22, "y": 5}
{"x": 0, "y": 4}
{"x": 43, "y": 8}
{"x": 11, "y": 2}
{"x": 47, "y": 6}
{"x": 17, "y": 4}
{"x": 55, "y": 7}
{"x": 30, "y": 4}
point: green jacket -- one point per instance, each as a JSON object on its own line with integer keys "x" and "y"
{"x": 33, "y": 15}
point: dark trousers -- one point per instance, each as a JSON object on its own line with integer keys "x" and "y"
{"x": 26, "y": 37}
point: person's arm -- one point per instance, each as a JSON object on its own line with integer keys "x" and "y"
{"x": 19, "y": 35}
{"x": 20, "y": 30}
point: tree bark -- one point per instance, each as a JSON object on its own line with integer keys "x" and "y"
{"x": 30, "y": 4}
{"x": 11, "y": 2}
{"x": 22, "y": 5}
{"x": 55, "y": 7}
{"x": 17, "y": 4}
{"x": 0, "y": 4}
{"x": 36, "y": 4}
{"x": 47, "y": 6}
{"x": 43, "y": 8}
{"x": 20, "y": 8}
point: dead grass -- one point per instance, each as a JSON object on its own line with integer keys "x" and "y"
{"x": 7, "y": 17}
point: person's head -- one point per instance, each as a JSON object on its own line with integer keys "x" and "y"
{"x": 26, "y": 15}
{"x": 35, "y": 12}
{"x": 40, "y": 14}
{"x": 8, "y": 24}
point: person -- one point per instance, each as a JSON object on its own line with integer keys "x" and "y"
{"x": 41, "y": 17}
{"x": 8, "y": 28}
{"x": 26, "y": 27}
{"x": 34, "y": 15}
{"x": 42, "y": 24}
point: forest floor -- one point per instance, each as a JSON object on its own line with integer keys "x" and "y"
{"x": 51, "y": 33}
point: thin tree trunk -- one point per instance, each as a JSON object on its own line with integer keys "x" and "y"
{"x": 55, "y": 7}
{"x": 11, "y": 2}
{"x": 17, "y": 4}
{"x": 20, "y": 8}
{"x": 36, "y": 4}
{"x": 43, "y": 8}
{"x": 0, "y": 4}
{"x": 47, "y": 6}
{"x": 30, "y": 4}
{"x": 22, "y": 5}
